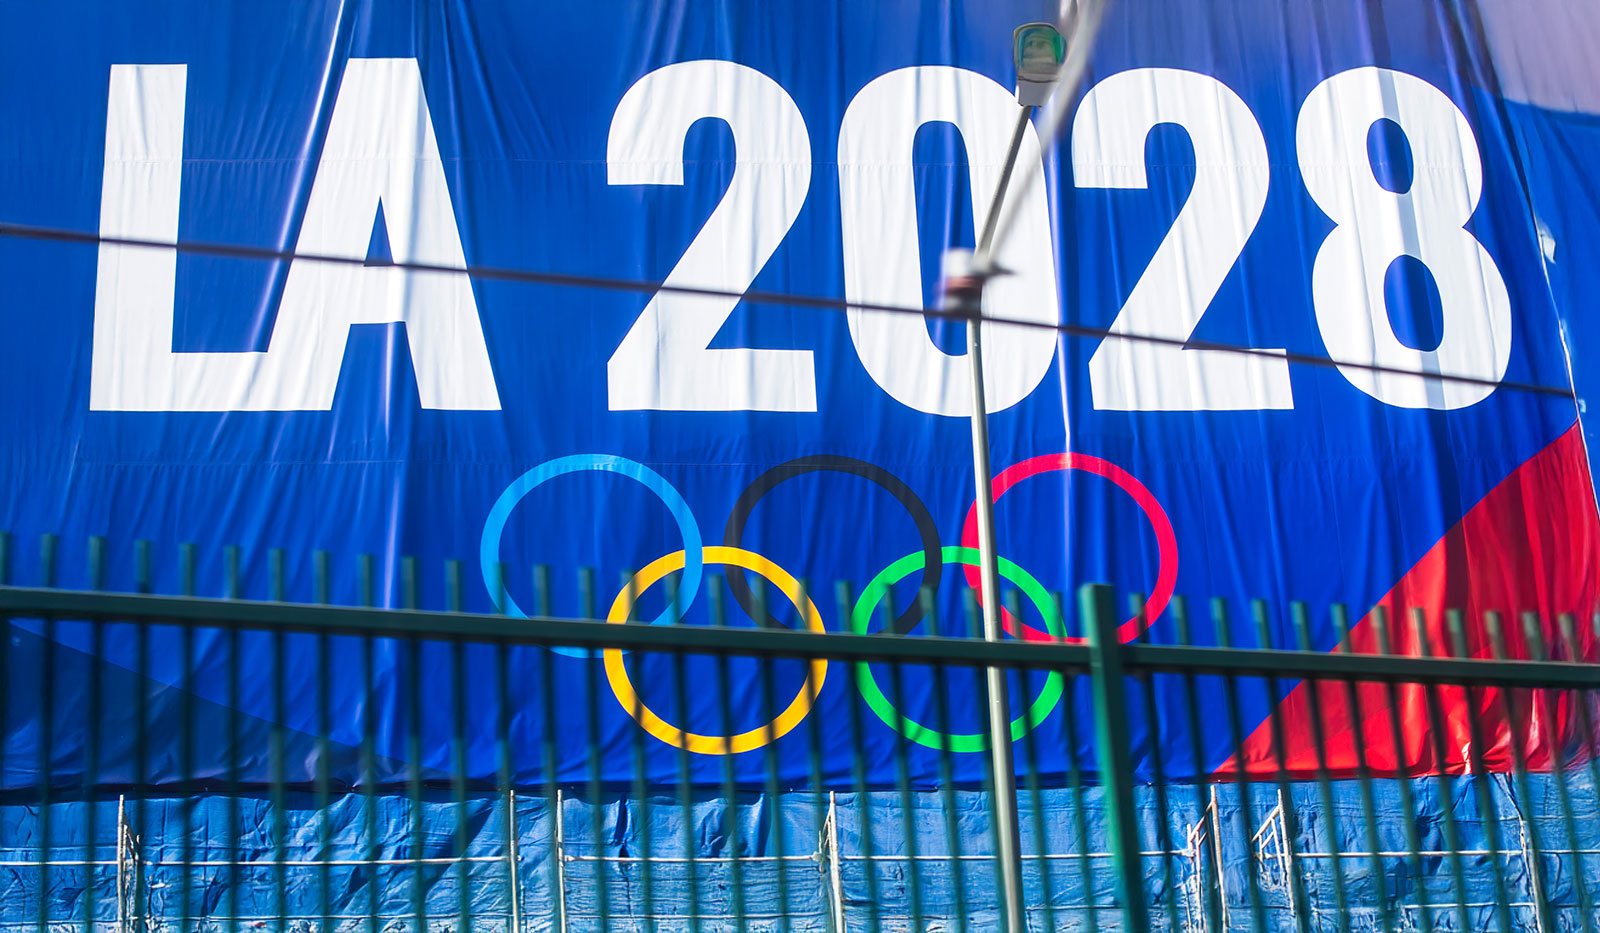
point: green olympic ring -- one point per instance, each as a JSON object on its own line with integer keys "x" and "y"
{"x": 861, "y": 617}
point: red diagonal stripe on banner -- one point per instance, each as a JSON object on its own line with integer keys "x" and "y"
{"x": 1532, "y": 543}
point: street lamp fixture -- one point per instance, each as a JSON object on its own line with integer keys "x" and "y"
{"x": 1038, "y": 50}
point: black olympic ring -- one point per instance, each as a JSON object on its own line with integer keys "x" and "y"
{"x": 933, "y": 555}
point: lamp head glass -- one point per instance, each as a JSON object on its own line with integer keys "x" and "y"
{"x": 1038, "y": 50}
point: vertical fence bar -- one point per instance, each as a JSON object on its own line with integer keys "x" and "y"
{"x": 908, "y": 820}
{"x": 410, "y": 599}
{"x": 1566, "y": 629}
{"x": 1402, "y": 775}
{"x": 997, "y": 859}
{"x": 858, "y": 773}
{"x": 186, "y": 786}
{"x": 730, "y": 791}
{"x": 369, "y": 731}
{"x": 1097, "y": 608}
{"x": 769, "y": 759}
{"x": 1230, "y": 694}
{"x": 952, "y": 832}
{"x": 141, "y": 740}
{"x": 1075, "y": 785}
{"x": 1313, "y": 687}
{"x": 322, "y": 586}
{"x": 47, "y": 715}
{"x": 597, "y": 813}
{"x": 1136, "y": 602}
{"x": 1341, "y": 626}
{"x": 1436, "y": 732}
{"x": 235, "y": 678}
{"x": 1533, "y": 850}
{"x": 680, "y": 689}
{"x": 5, "y": 659}
{"x": 277, "y": 751}
{"x": 641, "y": 787}
{"x": 1030, "y": 748}
{"x": 502, "y": 748}
{"x": 549, "y": 753}
{"x": 6, "y": 679}
{"x": 1544, "y": 709}
{"x": 1211, "y": 895}
{"x": 91, "y": 768}
{"x": 1458, "y": 647}
{"x": 458, "y": 752}
{"x": 821, "y": 810}
{"x": 1291, "y": 821}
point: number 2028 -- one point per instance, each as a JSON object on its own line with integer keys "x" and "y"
{"x": 665, "y": 362}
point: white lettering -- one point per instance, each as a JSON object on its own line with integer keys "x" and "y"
{"x": 380, "y": 150}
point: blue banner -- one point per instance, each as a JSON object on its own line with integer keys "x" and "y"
{"x": 1346, "y": 184}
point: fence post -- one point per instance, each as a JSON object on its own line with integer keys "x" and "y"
{"x": 1097, "y": 609}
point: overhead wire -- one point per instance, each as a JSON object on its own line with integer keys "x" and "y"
{"x": 641, "y": 286}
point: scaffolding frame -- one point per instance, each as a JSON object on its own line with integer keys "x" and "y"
{"x": 830, "y": 859}
{"x": 1274, "y": 849}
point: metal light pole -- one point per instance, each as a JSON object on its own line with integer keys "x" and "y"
{"x": 1038, "y": 51}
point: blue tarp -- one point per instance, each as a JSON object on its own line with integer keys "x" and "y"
{"x": 629, "y": 828}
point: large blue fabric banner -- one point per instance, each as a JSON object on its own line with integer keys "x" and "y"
{"x": 1348, "y": 181}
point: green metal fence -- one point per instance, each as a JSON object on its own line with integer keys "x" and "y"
{"x": 1263, "y": 847}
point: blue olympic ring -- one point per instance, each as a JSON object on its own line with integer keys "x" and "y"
{"x": 494, "y": 528}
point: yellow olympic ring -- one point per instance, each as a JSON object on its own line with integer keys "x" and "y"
{"x": 617, "y": 673}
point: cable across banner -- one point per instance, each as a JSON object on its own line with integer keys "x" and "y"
{"x": 1289, "y": 301}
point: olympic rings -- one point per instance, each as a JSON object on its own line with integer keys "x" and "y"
{"x": 861, "y": 617}
{"x": 617, "y": 672}
{"x": 1166, "y": 540}
{"x": 494, "y": 528}
{"x": 930, "y": 560}
{"x": 927, "y": 528}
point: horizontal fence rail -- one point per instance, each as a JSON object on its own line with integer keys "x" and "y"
{"x": 537, "y": 630}
{"x": 589, "y": 633}
{"x": 158, "y": 772}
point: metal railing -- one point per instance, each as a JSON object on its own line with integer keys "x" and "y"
{"x": 1273, "y": 840}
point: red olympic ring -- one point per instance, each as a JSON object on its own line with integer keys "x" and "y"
{"x": 1166, "y": 540}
